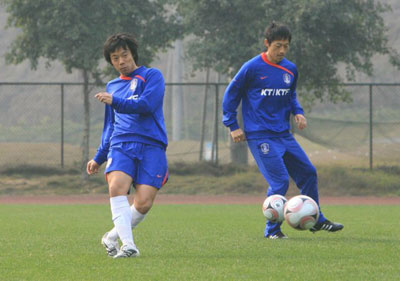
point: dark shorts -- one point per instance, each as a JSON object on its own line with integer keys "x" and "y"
{"x": 145, "y": 163}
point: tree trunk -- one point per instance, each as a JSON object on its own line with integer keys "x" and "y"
{"x": 168, "y": 93}
{"x": 86, "y": 128}
{"x": 204, "y": 115}
{"x": 177, "y": 95}
{"x": 239, "y": 152}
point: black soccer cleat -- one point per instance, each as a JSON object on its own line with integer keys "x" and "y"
{"x": 327, "y": 226}
{"x": 278, "y": 235}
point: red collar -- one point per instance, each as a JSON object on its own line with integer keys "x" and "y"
{"x": 265, "y": 58}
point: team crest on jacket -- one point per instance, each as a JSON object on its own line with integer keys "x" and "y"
{"x": 134, "y": 84}
{"x": 286, "y": 78}
{"x": 264, "y": 148}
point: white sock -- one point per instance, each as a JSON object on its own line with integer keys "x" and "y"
{"x": 122, "y": 218}
{"x": 137, "y": 217}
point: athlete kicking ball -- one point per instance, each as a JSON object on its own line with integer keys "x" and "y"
{"x": 266, "y": 86}
{"x": 134, "y": 142}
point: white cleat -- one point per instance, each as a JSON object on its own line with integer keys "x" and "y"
{"x": 127, "y": 251}
{"x": 111, "y": 246}
{"x": 278, "y": 235}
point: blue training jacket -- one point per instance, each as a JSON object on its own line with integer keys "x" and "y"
{"x": 136, "y": 113}
{"x": 268, "y": 95}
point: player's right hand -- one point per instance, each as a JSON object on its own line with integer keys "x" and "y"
{"x": 104, "y": 97}
{"x": 238, "y": 135}
{"x": 92, "y": 167}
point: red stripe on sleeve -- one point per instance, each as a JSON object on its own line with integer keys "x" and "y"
{"x": 140, "y": 77}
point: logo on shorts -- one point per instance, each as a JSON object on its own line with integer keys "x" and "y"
{"x": 264, "y": 148}
{"x": 109, "y": 162}
{"x": 286, "y": 78}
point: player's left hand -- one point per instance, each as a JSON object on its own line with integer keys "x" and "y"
{"x": 104, "y": 97}
{"x": 301, "y": 121}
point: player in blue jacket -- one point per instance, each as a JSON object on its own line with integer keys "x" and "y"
{"x": 134, "y": 141}
{"x": 266, "y": 85}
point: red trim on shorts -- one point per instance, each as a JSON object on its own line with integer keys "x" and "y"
{"x": 265, "y": 58}
{"x": 165, "y": 179}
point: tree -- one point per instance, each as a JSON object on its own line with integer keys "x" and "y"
{"x": 73, "y": 32}
{"x": 325, "y": 33}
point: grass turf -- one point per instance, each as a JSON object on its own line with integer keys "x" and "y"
{"x": 197, "y": 242}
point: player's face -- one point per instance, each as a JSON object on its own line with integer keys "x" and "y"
{"x": 277, "y": 50}
{"x": 123, "y": 61}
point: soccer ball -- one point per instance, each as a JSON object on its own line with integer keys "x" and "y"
{"x": 273, "y": 208}
{"x": 301, "y": 212}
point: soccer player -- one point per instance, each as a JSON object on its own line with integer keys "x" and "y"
{"x": 134, "y": 141}
{"x": 266, "y": 85}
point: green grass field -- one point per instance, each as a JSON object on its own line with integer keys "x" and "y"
{"x": 197, "y": 242}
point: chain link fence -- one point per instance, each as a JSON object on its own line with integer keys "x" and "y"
{"x": 362, "y": 132}
{"x": 42, "y": 124}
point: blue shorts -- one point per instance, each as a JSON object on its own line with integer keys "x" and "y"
{"x": 145, "y": 163}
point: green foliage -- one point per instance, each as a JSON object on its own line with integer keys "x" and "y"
{"x": 382, "y": 181}
{"x": 31, "y": 170}
{"x": 206, "y": 169}
{"x": 227, "y": 33}
{"x": 203, "y": 178}
{"x": 74, "y": 31}
{"x": 332, "y": 180}
{"x": 324, "y": 34}
{"x": 196, "y": 242}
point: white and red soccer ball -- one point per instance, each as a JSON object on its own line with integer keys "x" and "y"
{"x": 273, "y": 208}
{"x": 301, "y": 212}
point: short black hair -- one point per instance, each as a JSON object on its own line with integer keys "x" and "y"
{"x": 121, "y": 40}
{"x": 277, "y": 31}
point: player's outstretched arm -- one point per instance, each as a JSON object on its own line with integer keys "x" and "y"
{"x": 101, "y": 155}
{"x": 233, "y": 96}
{"x": 149, "y": 100}
{"x": 92, "y": 167}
